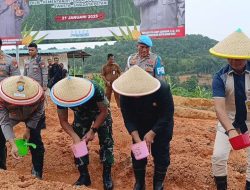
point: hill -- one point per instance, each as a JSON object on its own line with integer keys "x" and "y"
{"x": 187, "y": 55}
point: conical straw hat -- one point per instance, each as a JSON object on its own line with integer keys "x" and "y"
{"x": 20, "y": 90}
{"x": 136, "y": 82}
{"x": 235, "y": 46}
{"x": 72, "y": 91}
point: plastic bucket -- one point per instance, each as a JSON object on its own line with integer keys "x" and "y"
{"x": 240, "y": 141}
{"x": 23, "y": 146}
{"x": 80, "y": 149}
{"x": 140, "y": 150}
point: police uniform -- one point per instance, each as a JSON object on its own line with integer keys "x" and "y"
{"x": 36, "y": 69}
{"x": 8, "y": 67}
{"x": 11, "y": 114}
{"x": 152, "y": 64}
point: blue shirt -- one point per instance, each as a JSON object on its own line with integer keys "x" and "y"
{"x": 218, "y": 87}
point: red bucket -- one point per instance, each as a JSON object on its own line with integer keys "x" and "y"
{"x": 240, "y": 142}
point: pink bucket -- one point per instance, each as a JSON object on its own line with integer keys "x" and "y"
{"x": 80, "y": 149}
{"x": 240, "y": 141}
{"x": 140, "y": 150}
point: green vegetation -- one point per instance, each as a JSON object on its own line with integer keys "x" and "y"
{"x": 181, "y": 56}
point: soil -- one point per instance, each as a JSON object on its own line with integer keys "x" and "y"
{"x": 191, "y": 150}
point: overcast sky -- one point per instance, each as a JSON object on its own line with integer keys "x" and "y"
{"x": 213, "y": 18}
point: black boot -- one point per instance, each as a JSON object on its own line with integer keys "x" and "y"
{"x": 84, "y": 178}
{"x": 221, "y": 182}
{"x": 139, "y": 179}
{"x": 3, "y": 156}
{"x": 159, "y": 176}
{"x": 37, "y": 174}
{"x": 247, "y": 185}
{"x": 107, "y": 178}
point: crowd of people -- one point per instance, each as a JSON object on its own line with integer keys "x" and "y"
{"x": 144, "y": 98}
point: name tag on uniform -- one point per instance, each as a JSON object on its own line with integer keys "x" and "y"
{"x": 247, "y": 102}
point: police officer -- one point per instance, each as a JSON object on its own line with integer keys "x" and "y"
{"x": 21, "y": 100}
{"x": 147, "y": 60}
{"x": 36, "y": 68}
{"x": 158, "y": 14}
{"x": 147, "y": 108}
{"x": 91, "y": 115}
{"x": 8, "y": 65}
{"x": 110, "y": 72}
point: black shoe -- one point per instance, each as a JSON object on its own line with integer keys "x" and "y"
{"x": 36, "y": 174}
{"x": 139, "y": 179}
{"x": 221, "y": 182}
{"x": 159, "y": 176}
{"x": 158, "y": 186}
{"x": 107, "y": 178}
{"x": 84, "y": 179}
{"x": 247, "y": 185}
{"x": 139, "y": 186}
{"x": 3, "y": 155}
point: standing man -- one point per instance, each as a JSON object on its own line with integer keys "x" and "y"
{"x": 147, "y": 60}
{"x": 36, "y": 69}
{"x": 21, "y": 100}
{"x": 55, "y": 73}
{"x": 147, "y": 108}
{"x": 161, "y": 14}
{"x": 110, "y": 72}
{"x": 8, "y": 65}
{"x": 231, "y": 88}
{"x": 91, "y": 115}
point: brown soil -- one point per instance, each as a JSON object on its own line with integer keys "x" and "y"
{"x": 191, "y": 150}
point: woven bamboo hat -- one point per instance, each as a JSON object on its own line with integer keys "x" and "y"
{"x": 72, "y": 91}
{"x": 235, "y": 46}
{"x": 136, "y": 82}
{"x": 20, "y": 90}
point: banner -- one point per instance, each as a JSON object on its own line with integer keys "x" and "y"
{"x": 22, "y": 21}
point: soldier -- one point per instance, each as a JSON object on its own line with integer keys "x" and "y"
{"x": 22, "y": 100}
{"x": 148, "y": 110}
{"x": 91, "y": 115}
{"x": 147, "y": 60}
{"x": 36, "y": 69}
{"x": 110, "y": 72}
{"x": 8, "y": 65}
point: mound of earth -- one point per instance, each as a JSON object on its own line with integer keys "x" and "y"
{"x": 191, "y": 150}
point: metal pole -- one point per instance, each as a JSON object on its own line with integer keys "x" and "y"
{"x": 74, "y": 63}
{"x": 17, "y": 56}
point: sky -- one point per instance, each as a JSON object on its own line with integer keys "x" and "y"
{"x": 213, "y": 18}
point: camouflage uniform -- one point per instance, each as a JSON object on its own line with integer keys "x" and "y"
{"x": 152, "y": 64}
{"x": 8, "y": 67}
{"x": 84, "y": 116}
{"x": 36, "y": 69}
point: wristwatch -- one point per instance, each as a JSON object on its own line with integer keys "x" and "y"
{"x": 94, "y": 129}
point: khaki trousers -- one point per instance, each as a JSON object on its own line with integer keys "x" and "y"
{"x": 222, "y": 148}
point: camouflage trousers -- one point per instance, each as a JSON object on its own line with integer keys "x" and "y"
{"x": 106, "y": 141}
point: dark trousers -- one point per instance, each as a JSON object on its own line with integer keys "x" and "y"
{"x": 160, "y": 153}
{"x": 37, "y": 154}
